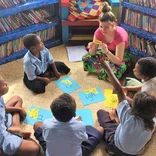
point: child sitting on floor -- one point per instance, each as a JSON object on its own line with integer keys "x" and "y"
{"x": 39, "y": 65}
{"x": 136, "y": 122}
{"x": 65, "y": 135}
{"x": 12, "y": 138}
{"x": 145, "y": 69}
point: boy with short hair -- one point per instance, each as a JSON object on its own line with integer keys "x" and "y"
{"x": 65, "y": 135}
{"x": 39, "y": 65}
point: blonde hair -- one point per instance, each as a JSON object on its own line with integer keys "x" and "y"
{"x": 106, "y": 13}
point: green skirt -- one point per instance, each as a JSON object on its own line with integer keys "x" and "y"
{"x": 90, "y": 64}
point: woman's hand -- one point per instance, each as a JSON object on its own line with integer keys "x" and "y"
{"x": 104, "y": 47}
{"x": 90, "y": 45}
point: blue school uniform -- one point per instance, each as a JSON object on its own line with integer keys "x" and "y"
{"x": 131, "y": 135}
{"x": 34, "y": 66}
{"x": 9, "y": 143}
{"x": 70, "y": 138}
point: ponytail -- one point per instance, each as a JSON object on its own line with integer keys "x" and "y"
{"x": 107, "y": 14}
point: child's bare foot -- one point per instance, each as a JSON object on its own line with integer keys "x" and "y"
{"x": 17, "y": 130}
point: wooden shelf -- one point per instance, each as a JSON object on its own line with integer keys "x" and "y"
{"x": 81, "y": 37}
{"x": 87, "y": 22}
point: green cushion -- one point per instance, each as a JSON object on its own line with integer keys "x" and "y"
{"x": 132, "y": 82}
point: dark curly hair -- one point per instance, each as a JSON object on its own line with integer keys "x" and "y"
{"x": 144, "y": 107}
{"x": 30, "y": 40}
{"x": 147, "y": 66}
{"x": 63, "y": 107}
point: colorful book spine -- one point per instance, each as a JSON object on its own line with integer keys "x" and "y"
{"x": 13, "y": 46}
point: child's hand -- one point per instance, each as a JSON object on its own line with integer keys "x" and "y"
{"x": 58, "y": 75}
{"x": 125, "y": 90}
{"x": 102, "y": 62}
{"x": 78, "y": 118}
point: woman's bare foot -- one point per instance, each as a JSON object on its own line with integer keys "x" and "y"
{"x": 17, "y": 130}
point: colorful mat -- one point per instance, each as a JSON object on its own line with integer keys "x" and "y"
{"x": 84, "y": 9}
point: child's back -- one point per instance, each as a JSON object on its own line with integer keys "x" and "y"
{"x": 131, "y": 135}
{"x": 64, "y": 138}
{"x": 66, "y": 135}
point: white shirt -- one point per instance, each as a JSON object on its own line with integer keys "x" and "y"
{"x": 149, "y": 85}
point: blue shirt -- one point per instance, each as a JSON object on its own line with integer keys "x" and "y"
{"x": 34, "y": 66}
{"x": 131, "y": 135}
{"x": 64, "y": 138}
{"x": 9, "y": 143}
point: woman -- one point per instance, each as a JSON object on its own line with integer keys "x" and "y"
{"x": 113, "y": 41}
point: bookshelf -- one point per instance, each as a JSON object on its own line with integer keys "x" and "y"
{"x": 6, "y": 37}
{"x": 142, "y": 30}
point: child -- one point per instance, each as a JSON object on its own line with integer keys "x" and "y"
{"x": 39, "y": 65}
{"x": 65, "y": 135}
{"x": 136, "y": 122}
{"x": 11, "y": 141}
{"x": 145, "y": 69}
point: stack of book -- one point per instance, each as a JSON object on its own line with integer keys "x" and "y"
{"x": 142, "y": 44}
{"x": 24, "y": 19}
{"x": 140, "y": 20}
{"x": 146, "y": 3}
{"x": 10, "y": 47}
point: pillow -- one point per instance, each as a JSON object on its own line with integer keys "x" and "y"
{"x": 84, "y": 9}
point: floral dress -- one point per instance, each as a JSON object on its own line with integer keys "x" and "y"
{"x": 90, "y": 64}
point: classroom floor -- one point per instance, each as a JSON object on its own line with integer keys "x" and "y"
{"x": 13, "y": 74}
